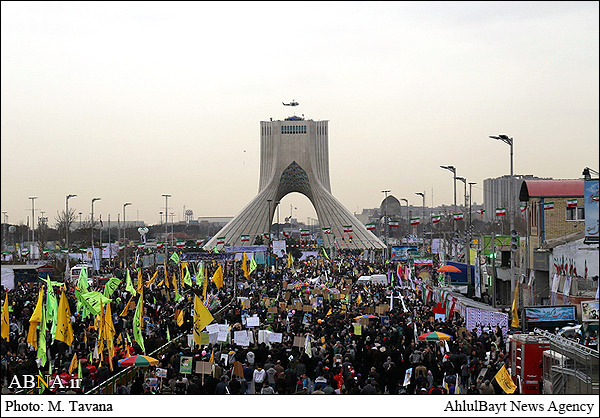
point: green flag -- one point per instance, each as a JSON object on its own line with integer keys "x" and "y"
{"x": 79, "y": 371}
{"x": 175, "y": 257}
{"x": 252, "y": 264}
{"x": 128, "y": 285}
{"x": 82, "y": 283}
{"x": 168, "y": 334}
{"x": 187, "y": 279}
{"x": 111, "y": 286}
{"x": 95, "y": 300}
{"x": 178, "y": 297}
{"x": 325, "y": 253}
{"x": 41, "y": 351}
{"x": 83, "y": 303}
{"x": 137, "y": 329}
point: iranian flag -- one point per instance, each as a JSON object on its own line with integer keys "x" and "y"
{"x": 435, "y": 219}
{"x": 458, "y": 216}
{"x": 199, "y": 242}
{"x": 245, "y": 238}
{"x": 347, "y": 228}
{"x": 480, "y": 211}
{"x": 267, "y": 235}
{"x": 393, "y": 224}
{"x": 549, "y": 205}
{"x": 327, "y": 230}
{"x": 286, "y": 234}
{"x": 121, "y": 247}
{"x": 500, "y": 211}
{"x": 415, "y": 221}
{"x": 160, "y": 245}
{"x": 572, "y": 203}
{"x": 180, "y": 244}
{"x": 141, "y": 246}
{"x": 304, "y": 232}
{"x": 220, "y": 240}
{"x": 523, "y": 208}
{"x": 371, "y": 226}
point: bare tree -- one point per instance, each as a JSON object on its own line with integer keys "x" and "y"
{"x": 64, "y": 220}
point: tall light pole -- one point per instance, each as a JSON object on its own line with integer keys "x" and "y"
{"x": 423, "y": 223}
{"x": 4, "y": 232}
{"x": 470, "y": 232}
{"x": 92, "y": 228}
{"x": 453, "y": 170}
{"x": 277, "y": 203}
{"x": 385, "y": 220}
{"x": 125, "y": 235}
{"x": 67, "y": 218}
{"x": 166, "y": 196}
{"x": 467, "y": 242}
{"x": 32, "y": 220}
{"x": 405, "y": 200}
{"x": 509, "y": 141}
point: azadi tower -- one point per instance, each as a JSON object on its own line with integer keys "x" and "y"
{"x": 294, "y": 157}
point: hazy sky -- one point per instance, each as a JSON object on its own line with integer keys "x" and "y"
{"x": 128, "y": 101}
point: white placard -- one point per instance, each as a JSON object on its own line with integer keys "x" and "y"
{"x": 213, "y": 338}
{"x": 222, "y": 336}
{"x": 223, "y": 328}
{"x": 241, "y": 338}
{"x": 253, "y": 321}
{"x": 212, "y": 328}
{"x": 275, "y": 337}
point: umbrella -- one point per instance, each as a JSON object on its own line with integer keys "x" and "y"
{"x": 434, "y": 336}
{"x": 448, "y": 269}
{"x": 138, "y": 360}
{"x": 366, "y": 317}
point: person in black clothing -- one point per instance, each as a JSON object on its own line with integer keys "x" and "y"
{"x": 222, "y": 387}
{"x": 473, "y": 389}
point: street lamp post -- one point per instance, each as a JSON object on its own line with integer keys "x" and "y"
{"x": 509, "y": 141}
{"x": 125, "y": 236}
{"x": 92, "y": 228}
{"x": 269, "y": 219}
{"x": 67, "y": 217}
{"x": 32, "y": 220}
{"x": 470, "y": 233}
{"x": 467, "y": 241}
{"x": 453, "y": 170}
{"x": 166, "y": 196}
{"x": 385, "y": 220}
{"x": 405, "y": 200}
{"x": 423, "y": 214}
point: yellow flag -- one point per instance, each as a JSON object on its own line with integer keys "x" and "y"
{"x": 180, "y": 318}
{"x": 109, "y": 327}
{"x": 35, "y": 320}
{"x": 245, "y": 266}
{"x": 504, "y": 380}
{"x": 73, "y": 364}
{"x": 5, "y": 320}
{"x": 205, "y": 284}
{"x": 152, "y": 279}
{"x": 166, "y": 277}
{"x": 218, "y": 277}
{"x": 64, "y": 329}
{"x": 290, "y": 260}
{"x": 175, "y": 284}
{"x": 515, "y": 312}
{"x": 140, "y": 281}
{"x": 126, "y": 308}
{"x": 202, "y": 317}
{"x": 212, "y": 356}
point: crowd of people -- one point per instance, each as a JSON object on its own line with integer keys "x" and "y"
{"x": 381, "y": 355}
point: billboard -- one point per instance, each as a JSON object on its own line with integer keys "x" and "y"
{"x": 589, "y": 311}
{"x": 401, "y": 253}
{"x": 592, "y": 225}
{"x": 550, "y": 314}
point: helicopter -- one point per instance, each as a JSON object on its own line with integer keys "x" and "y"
{"x": 292, "y": 103}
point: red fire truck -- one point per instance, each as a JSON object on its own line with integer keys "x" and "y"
{"x": 526, "y": 360}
